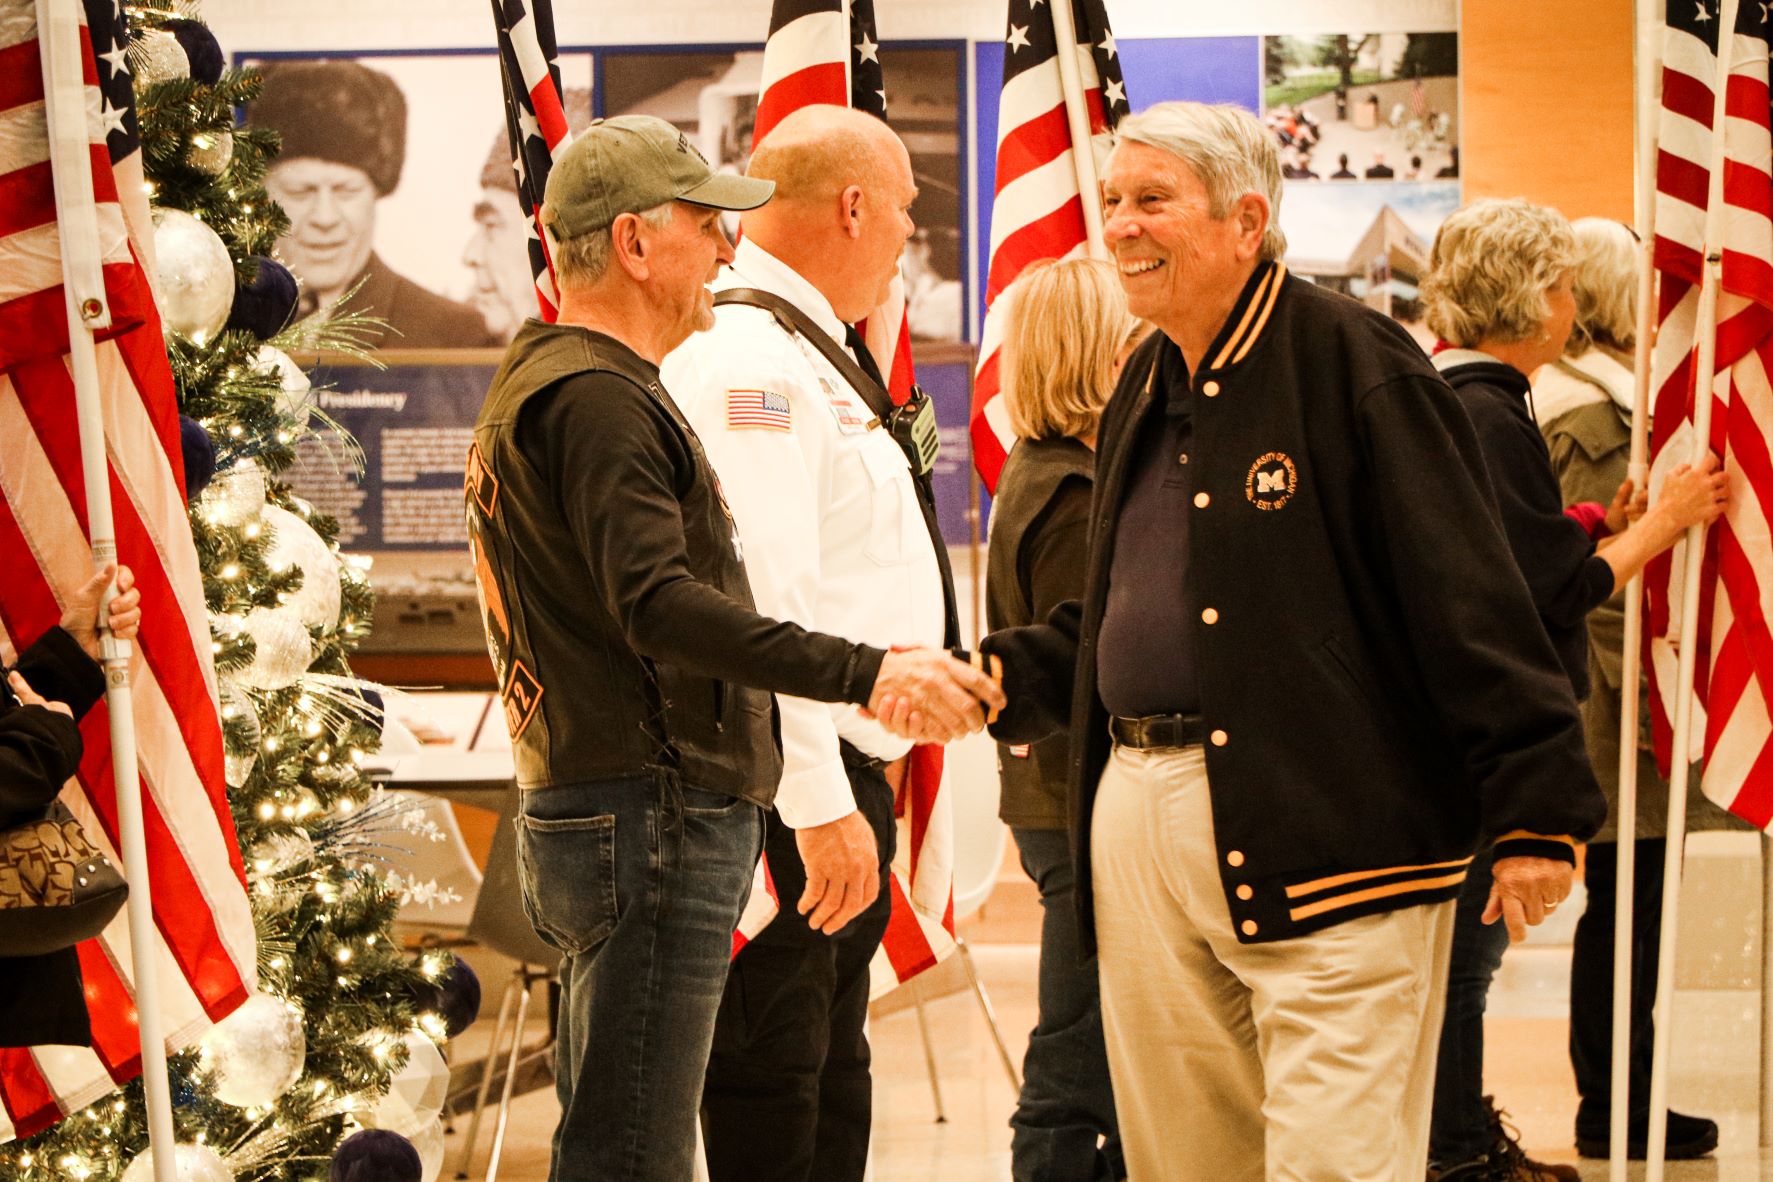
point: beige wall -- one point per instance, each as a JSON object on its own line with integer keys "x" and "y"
{"x": 1548, "y": 103}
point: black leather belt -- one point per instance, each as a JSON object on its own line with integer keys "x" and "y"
{"x": 1158, "y": 730}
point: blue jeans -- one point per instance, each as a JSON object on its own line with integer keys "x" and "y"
{"x": 1459, "y": 1130}
{"x": 641, "y": 891}
{"x": 1063, "y": 1126}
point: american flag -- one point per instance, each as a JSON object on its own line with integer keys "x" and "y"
{"x": 1037, "y": 212}
{"x": 1735, "y": 658}
{"x": 758, "y": 408}
{"x": 535, "y": 120}
{"x": 826, "y": 51}
{"x": 205, "y": 932}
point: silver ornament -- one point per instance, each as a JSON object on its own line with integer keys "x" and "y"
{"x": 294, "y": 543}
{"x": 158, "y": 57}
{"x": 236, "y": 495}
{"x": 211, "y": 151}
{"x": 191, "y": 1163}
{"x": 256, "y": 1052}
{"x": 429, "y": 1143}
{"x": 280, "y": 852}
{"x": 296, "y": 401}
{"x": 196, "y": 275}
{"x": 416, "y": 1093}
{"x": 240, "y": 721}
{"x": 285, "y": 649}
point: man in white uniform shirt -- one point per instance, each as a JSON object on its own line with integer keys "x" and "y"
{"x": 837, "y": 536}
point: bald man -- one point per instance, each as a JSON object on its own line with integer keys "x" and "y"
{"x": 839, "y": 535}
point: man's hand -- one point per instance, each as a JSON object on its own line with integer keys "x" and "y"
{"x": 81, "y": 617}
{"x": 26, "y": 696}
{"x": 929, "y": 697}
{"x": 842, "y": 871}
{"x": 1526, "y": 890}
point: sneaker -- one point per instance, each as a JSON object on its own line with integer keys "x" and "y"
{"x": 1688, "y": 1137}
{"x": 1511, "y": 1161}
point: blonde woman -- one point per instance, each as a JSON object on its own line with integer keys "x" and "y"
{"x": 1499, "y": 294}
{"x": 1067, "y": 334}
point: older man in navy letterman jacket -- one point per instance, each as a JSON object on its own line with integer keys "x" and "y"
{"x": 1306, "y": 683}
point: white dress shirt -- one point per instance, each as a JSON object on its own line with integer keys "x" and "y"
{"x": 834, "y": 538}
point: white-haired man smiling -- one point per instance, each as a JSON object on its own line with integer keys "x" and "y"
{"x": 1309, "y": 686}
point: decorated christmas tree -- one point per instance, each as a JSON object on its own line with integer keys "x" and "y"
{"x": 343, "y": 1031}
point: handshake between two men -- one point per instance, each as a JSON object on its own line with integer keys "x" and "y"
{"x": 921, "y": 694}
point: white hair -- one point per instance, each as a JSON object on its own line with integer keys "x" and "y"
{"x": 581, "y": 260}
{"x": 1225, "y": 146}
{"x": 1606, "y": 286}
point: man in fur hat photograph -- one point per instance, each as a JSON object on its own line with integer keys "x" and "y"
{"x": 344, "y": 144}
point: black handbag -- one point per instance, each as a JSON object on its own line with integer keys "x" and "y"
{"x": 56, "y": 887}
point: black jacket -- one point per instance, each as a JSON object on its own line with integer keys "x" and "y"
{"x": 41, "y": 997}
{"x": 1555, "y": 554}
{"x": 417, "y": 317}
{"x": 1040, "y": 521}
{"x": 613, "y": 590}
{"x": 1382, "y": 696}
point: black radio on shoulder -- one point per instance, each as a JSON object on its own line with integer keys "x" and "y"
{"x": 914, "y": 429}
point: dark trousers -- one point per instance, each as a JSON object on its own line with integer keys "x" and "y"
{"x": 1063, "y": 1126}
{"x": 1591, "y": 982}
{"x": 1459, "y": 1130}
{"x": 641, "y": 889}
{"x": 788, "y": 1096}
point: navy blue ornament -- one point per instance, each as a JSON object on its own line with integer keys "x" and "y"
{"x": 201, "y": 48}
{"x": 198, "y": 450}
{"x": 376, "y": 1155}
{"x": 265, "y": 305}
{"x": 455, "y": 996}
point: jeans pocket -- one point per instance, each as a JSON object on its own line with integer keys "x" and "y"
{"x": 567, "y": 867}
{"x": 699, "y": 802}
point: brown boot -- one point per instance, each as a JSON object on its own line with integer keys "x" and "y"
{"x": 1511, "y": 1161}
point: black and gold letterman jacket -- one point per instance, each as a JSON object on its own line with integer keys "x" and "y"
{"x": 1381, "y": 698}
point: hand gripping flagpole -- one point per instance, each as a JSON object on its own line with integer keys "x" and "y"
{"x": 1077, "y": 116}
{"x": 1648, "y": 62}
{"x": 58, "y": 34}
{"x": 1694, "y": 558}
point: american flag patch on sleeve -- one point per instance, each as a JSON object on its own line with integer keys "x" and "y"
{"x": 758, "y": 408}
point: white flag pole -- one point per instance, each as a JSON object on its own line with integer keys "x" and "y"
{"x": 1681, "y": 766}
{"x": 1077, "y": 116}
{"x": 1648, "y": 66}
{"x": 58, "y": 34}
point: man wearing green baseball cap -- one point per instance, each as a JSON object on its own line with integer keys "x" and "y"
{"x": 636, "y": 677}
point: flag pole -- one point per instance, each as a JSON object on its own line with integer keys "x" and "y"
{"x": 1694, "y": 559}
{"x": 1083, "y": 153}
{"x": 1647, "y": 62}
{"x": 58, "y": 33}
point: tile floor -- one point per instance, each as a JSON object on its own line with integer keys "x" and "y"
{"x": 1716, "y": 1037}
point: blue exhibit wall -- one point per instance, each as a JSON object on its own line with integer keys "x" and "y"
{"x": 1203, "y": 69}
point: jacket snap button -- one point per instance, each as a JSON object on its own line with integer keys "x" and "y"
{"x": 1202, "y": 500}
{"x": 1220, "y": 738}
{"x": 1245, "y": 892}
{"x": 1210, "y": 389}
{"x": 1249, "y": 927}
{"x": 1235, "y": 857}
{"x": 1210, "y": 616}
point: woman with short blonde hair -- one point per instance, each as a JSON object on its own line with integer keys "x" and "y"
{"x": 1067, "y": 323}
{"x": 1492, "y": 273}
{"x": 1066, "y": 333}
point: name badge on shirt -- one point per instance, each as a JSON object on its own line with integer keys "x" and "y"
{"x": 852, "y": 417}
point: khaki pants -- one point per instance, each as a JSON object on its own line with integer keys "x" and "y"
{"x": 1308, "y": 1059}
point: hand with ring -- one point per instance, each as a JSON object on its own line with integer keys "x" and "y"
{"x": 1525, "y": 891}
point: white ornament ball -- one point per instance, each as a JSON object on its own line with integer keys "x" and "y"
{"x": 296, "y": 402}
{"x": 240, "y": 723}
{"x": 416, "y": 1094}
{"x": 285, "y": 649}
{"x": 294, "y": 543}
{"x": 211, "y": 151}
{"x": 236, "y": 495}
{"x": 191, "y": 1163}
{"x": 196, "y": 275}
{"x": 429, "y": 1143}
{"x": 256, "y": 1052}
{"x": 158, "y": 57}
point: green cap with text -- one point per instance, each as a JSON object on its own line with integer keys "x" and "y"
{"x": 632, "y": 163}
